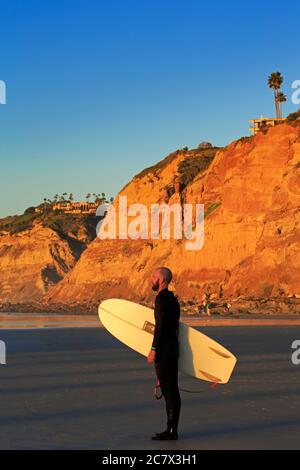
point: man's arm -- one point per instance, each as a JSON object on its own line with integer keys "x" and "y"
{"x": 160, "y": 318}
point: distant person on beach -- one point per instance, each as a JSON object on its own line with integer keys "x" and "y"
{"x": 165, "y": 349}
{"x": 206, "y": 301}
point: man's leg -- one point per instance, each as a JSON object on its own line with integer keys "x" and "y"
{"x": 172, "y": 396}
{"x": 167, "y": 374}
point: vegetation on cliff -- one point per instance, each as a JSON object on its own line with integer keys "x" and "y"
{"x": 196, "y": 162}
{"x": 294, "y": 116}
{"x": 58, "y": 220}
{"x": 62, "y": 223}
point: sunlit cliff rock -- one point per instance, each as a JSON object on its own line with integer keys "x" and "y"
{"x": 251, "y": 193}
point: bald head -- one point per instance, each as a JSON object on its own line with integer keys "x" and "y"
{"x": 161, "y": 278}
{"x": 165, "y": 274}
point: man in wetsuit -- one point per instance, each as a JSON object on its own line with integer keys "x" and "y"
{"x": 165, "y": 349}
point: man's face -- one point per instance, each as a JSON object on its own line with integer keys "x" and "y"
{"x": 155, "y": 282}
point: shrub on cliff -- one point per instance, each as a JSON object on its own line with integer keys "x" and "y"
{"x": 30, "y": 210}
{"x": 63, "y": 224}
{"x": 17, "y": 223}
{"x": 294, "y": 116}
{"x": 204, "y": 145}
{"x": 190, "y": 167}
{"x": 157, "y": 167}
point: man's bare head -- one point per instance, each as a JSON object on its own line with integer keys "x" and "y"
{"x": 161, "y": 278}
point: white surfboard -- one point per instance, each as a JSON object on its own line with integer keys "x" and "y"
{"x": 199, "y": 355}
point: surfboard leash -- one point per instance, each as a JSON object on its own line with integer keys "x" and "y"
{"x": 155, "y": 391}
{"x": 212, "y": 386}
{"x": 158, "y": 395}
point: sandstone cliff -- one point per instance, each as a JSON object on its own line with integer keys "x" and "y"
{"x": 36, "y": 252}
{"x": 251, "y": 192}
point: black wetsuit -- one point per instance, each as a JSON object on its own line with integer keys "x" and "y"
{"x": 165, "y": 342}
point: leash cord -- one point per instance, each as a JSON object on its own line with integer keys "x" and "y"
{"x": 159, "y": 396}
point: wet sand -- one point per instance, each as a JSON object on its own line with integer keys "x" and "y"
{"x": 37, "y": 320}
{"x": 82, "y": 389}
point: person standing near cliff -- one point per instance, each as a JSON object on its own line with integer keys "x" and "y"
{"x": 165, "y": 349}
{"x": 206, "y": 301}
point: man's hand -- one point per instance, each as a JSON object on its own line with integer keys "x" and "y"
{"x": 151, "y": 356}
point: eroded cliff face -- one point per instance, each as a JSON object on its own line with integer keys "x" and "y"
{"x": 251, "y": 192}
{"x": 33, "y": 260}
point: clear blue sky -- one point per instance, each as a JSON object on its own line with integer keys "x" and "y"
{"x": 98, "y": 90}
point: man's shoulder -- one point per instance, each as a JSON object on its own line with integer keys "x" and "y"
{"x": 160, "y": 298}
{"x": 166, "y": 296}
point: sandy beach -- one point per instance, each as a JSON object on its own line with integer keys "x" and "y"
{"x": 79, "y": 388}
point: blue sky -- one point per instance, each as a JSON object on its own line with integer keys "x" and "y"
{"x": 98, "y": 90}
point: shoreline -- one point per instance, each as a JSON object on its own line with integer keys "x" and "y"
{"x": 251, "y": 311}
{"x": 43, "y": 321}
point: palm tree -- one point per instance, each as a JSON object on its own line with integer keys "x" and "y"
{"x": 88, "y": 196}
{"x": 71, "y": 197}
{"x": 281, "y": 98}
{"x": 275, "y": 81}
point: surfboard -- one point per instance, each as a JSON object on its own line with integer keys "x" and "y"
{"x": 199, "y": 355}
